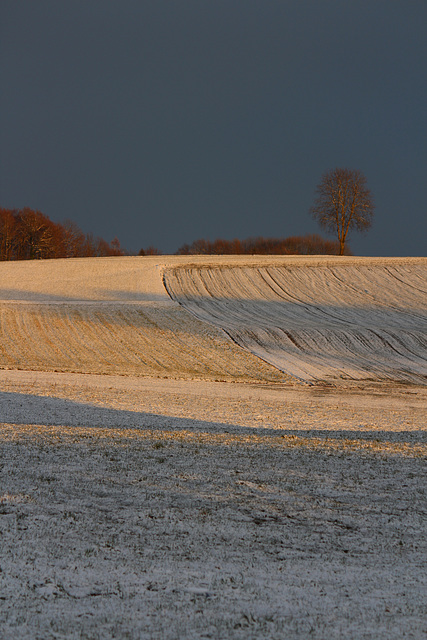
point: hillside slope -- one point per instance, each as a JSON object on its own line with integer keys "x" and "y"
{"x": 318, "y": 319}
{"x": 114, "y": 316}
{"x": 310, "y": 318}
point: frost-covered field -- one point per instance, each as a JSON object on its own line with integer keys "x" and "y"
{"x": 197, "y": 491}
{"x": 318, "y": 319}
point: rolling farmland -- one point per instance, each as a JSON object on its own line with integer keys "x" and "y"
{"x": 310, "y": 319}
{"x": 224, "y": 447}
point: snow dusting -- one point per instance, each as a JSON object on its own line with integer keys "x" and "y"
{"x": 213, "y": 447}
{"x": 321, "y": 319}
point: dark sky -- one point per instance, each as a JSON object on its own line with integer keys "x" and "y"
{"x": 164, "y": 121}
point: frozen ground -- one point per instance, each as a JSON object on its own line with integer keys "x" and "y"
{"x": 163, "y": 504}
{"x": 318, "y": 319}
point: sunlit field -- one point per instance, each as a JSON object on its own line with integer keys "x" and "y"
{"x": 227, "y": 447}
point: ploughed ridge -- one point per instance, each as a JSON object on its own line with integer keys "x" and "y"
{"x": 318, "y": 319}
{"x": 229, "y": 318}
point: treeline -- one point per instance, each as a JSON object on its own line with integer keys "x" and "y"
{"x": 26, "y": 234}
{"x": 310, "y": 244}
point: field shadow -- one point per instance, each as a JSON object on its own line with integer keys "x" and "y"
{"x": 105, "y": 296}
{"x": 331, "y": 340}
{"x": 25, "y": 409}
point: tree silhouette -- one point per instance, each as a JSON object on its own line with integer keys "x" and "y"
{"x": 343, "y": 202}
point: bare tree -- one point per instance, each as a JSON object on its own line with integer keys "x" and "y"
{"x": 343, "y": 202}
{"x": 8, "y": 228}
{"x": 35, "y": 235}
